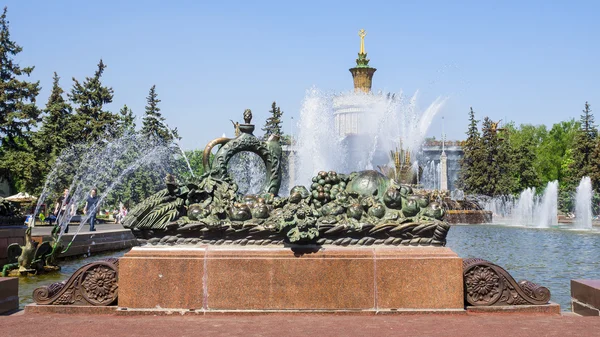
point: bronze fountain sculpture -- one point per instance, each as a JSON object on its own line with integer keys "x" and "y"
{"x": 360, "y": 208}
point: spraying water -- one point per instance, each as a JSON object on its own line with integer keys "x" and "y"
{"x": 432, "y": 174}
{"x": 176, "y": 141}
{"x": 546, "y": 214}
{"x": 248, "y": 171}
{"x": 103, "y": 165}
{"x": 528, "y": 210}
{"x": 524, "y": 209}
{"x": 583, "y": 204}
{"x": 356, "y": 131}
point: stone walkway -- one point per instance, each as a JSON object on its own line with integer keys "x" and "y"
{"x": 299, "y": 325}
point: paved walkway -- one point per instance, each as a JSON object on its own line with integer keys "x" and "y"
{"x": 299, "y": 325}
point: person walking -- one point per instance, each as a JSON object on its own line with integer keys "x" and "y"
{"x": 91, "y": 206}
{"x": 60, "y": 209}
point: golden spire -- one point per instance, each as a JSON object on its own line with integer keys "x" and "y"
{"x": 362, "y": 35}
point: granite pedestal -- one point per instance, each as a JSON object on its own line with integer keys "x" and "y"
{"x": 332, "y": 279}
{"x": 9, "y": 235}
{"x": 585, "y": 297}
{"x": 9, "y": 294}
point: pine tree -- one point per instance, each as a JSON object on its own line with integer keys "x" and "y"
{"x": 470, "y": 162}
{"x": 496, "y": 177}
{"x": 93, "y": 122}
{"x": 18, "y": 113}
{"x": 126, "y": 121}
{"x": 273, "y": 123}
{"x": 524, "y": 171}
{"x": 153, "y": 124}
{"x": 583, "y": 150}
{"x": 56, "y": 131}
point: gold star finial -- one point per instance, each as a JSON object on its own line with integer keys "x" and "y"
{"x": 362, "y": 33}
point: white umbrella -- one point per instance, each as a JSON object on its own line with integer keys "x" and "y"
{"x": 21, "y": 197}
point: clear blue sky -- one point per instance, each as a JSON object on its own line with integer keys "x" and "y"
{"x": 527, "y": 61}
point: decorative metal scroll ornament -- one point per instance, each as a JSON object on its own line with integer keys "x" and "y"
{"x": 269, "y": 152}
{"x": 361, "y": 208}
{"x": 93, "y": 284}
{"x": 487, "y": 284}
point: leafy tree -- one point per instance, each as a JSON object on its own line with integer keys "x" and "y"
{"x": 524, "y": 142}
{"x": 181, "y": 170}
{"x": 18, "y": 112}
{"x": 554, "y": 152}
{"x": 583, "y": 150}
{"x": 524, "y": 172}
{"x": 273, "y": 123}
{"x": 92, "y": 121}
{"x": 153, "y": 123}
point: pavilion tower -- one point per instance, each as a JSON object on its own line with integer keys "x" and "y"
{"x": 362, "y": 73}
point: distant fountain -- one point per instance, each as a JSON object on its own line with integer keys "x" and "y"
{"x": 546, "y": 213}
{"x": 528, "y": 210}
{"x": 524, "y": 209}
{"x": 583, "y": 204}
{"x": 431, "y": 176}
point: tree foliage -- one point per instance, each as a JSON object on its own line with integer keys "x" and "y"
{"x": 470, "y": 179}
{"x": 18, "y": 112}
{"x": 273, "y": 123}
{"x": 153, "y": 123}
{"x": 583, "y": 148}
{"x": 93, "y": 122}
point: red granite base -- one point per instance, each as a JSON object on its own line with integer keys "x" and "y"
{"x": 547, "y": 309}
{"x": 69, "y": 309}
{"x": 9, "y": 294}
{"x": 333, "y": 279}
{"x": 585, "y": 297}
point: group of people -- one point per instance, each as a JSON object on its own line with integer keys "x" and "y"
{"x": 64, "y": 208}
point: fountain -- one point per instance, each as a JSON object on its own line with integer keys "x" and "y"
{"x": 546, "y": 214}
{"x": 318, "y": 240}
{"x": 350, "y": 241}
{"x": 357, "y": 130}
{"x": 528, "y": 210}
{"x": 523, "y": 212}
{"x": 102, "y": 165}
{"x": 583, "y": 204}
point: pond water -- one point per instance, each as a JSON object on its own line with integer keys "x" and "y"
{"x": 548, "y": 257}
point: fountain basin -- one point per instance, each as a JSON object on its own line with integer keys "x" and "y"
{"x": 467, "y": 217}
{"x": 330, "y": 279}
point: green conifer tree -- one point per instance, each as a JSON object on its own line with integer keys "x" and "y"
{"x": 56, "y": 131}
{"x": 153, "y": 123}
{"x": 583, "y": 150}
{"x": 469, "y": 177}
{"x": 93, "y": 122}
{"x": 273, "y": 123}
{"x": 497, "y": 162}
{"x": 18, "y": 113}
{"x": 524, "y": 172}
{"x": 126, "y": 120}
